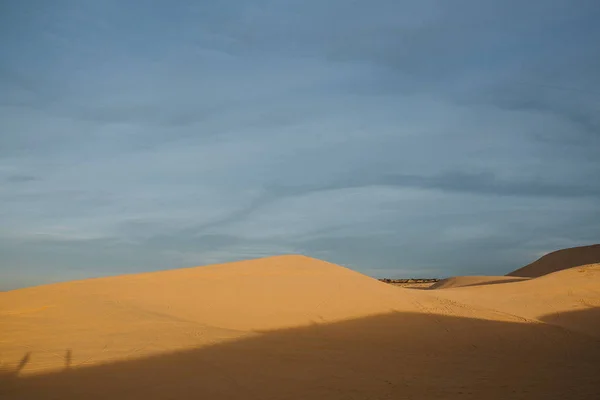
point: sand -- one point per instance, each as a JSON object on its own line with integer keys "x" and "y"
{"x": 559, "y": 260}
{"x": 292, "y": 327}
{"x": 569, "y": 298}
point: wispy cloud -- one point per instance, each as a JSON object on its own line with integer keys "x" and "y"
{"x": 395, "y": 135}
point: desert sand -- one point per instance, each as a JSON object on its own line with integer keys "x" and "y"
{"x": 568, "y": 298}
{"x": 293, "y": 327}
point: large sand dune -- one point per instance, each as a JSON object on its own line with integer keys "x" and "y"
{"x": 559, "y": 260}
{"x": 129, "y": 316}
{"x": 292, "y": 327}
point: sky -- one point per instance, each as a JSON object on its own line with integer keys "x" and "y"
{"x": 414, "y": 138}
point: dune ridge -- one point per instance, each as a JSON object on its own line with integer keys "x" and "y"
{"x": 559, "y": 260}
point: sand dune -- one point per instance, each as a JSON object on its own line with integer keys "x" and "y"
{"x": 133, "y": 315}
{"x": 559, "y": 260}
{"x": 460, "y": 281}
{"x": 292, "y": 327}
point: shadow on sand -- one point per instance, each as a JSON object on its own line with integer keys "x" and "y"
{"x": 392, "y": 356}
{"x": 9, "y": 376}
{"x": 586, "y": 321}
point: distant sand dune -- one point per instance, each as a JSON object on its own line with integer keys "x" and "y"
{"x": 559, "y": 260}
{"x": 292, "y": 327}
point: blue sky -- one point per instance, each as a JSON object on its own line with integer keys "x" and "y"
{"x": 398, "y": 138}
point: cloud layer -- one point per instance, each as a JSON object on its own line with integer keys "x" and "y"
{"x": 395, "y": 137}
